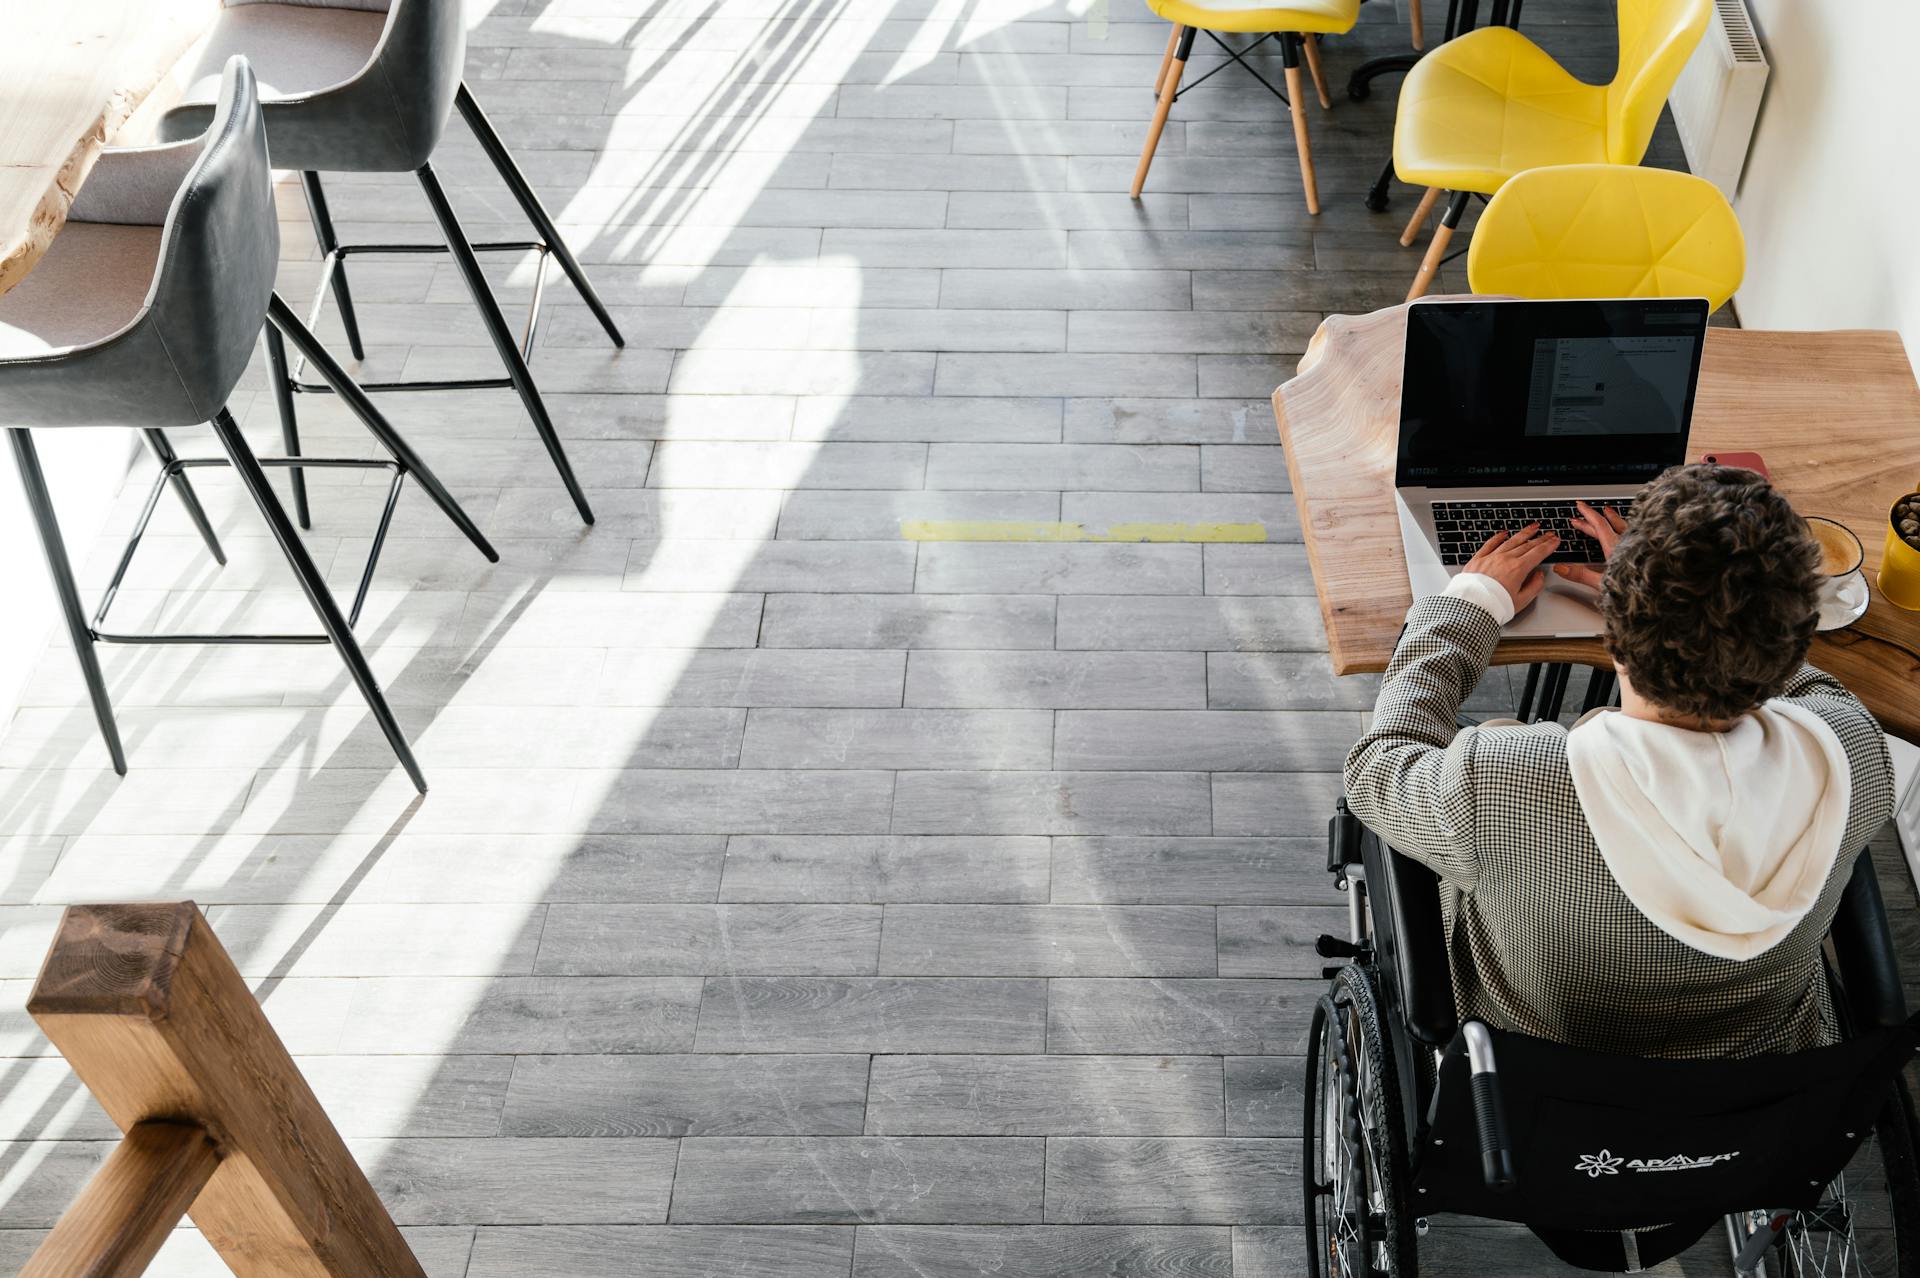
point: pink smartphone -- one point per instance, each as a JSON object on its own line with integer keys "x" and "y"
{"x": 1745, "y": 461}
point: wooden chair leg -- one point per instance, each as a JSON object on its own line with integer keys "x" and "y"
{"x": 1437, "y": 250}
{"x": 1416, "y": 21}
{"x": 1170, "y": 86}
{"x": 1296, "y": 99}
{"x": 1427, "y": 201}
{"x": 1312, "y": 44}
{"x": 1166, "y": 59}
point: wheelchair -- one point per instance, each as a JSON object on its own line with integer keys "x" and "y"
{"x": 1806, "y": 1160}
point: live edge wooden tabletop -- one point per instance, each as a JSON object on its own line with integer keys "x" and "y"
{"x": 71, "y": 73}
{"x": 1836, "y": 416}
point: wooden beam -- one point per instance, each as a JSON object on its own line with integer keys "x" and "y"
{"x": 147, "y": 1007}
{"x": 117, "y": 1224}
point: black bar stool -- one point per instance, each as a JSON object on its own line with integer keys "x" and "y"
{"x": 358, "y": 86}
{"x": 143, "y": 313}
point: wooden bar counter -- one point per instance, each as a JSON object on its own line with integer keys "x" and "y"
{"x": 71, "y": 73}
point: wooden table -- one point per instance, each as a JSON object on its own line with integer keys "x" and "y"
{"x": 71, "y": 73}
{"x": 1836, "y": 415}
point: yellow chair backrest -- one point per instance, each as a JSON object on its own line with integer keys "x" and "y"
{"x": 1656, "y": 39}
{"x": 1607, "y": 230}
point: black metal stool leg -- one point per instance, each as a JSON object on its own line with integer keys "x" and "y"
{"x": 517, "y": 370}
{"x": 1377, "y": 197}
{"x": 27, "y": 459}
{"x": 1524, "y": 711}
{"x": 183, "y": 487}
{"x": 1553, "y": 692}
{"x": 530, "y": 203}
{"x": 1599, "y": 690}
{"x": 329, "y": 244}
{"x": 289, "y": 424}
{"x": 314, "y": 585}
{"x": 280, "y": 318}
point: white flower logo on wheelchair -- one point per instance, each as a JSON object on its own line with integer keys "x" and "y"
{"x": 1604, "y": 1163}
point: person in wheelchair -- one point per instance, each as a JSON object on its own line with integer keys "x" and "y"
{"x": 1619, "y": 982}
{"x": 1658, "y": 880}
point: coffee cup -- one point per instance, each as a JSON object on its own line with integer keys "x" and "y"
{"x": 1843, "y": 587}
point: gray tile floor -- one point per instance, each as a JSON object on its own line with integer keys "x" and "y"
{"x": 800, "y": 893}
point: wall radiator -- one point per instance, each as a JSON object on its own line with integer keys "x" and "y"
{"x": 1718, "y": 94}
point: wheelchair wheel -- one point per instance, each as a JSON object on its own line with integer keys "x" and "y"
{"x": 1354, "y": 1165}
{"x": 1867, "y": 1224}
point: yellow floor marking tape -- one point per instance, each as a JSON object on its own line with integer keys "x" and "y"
{"x": 1019, "y": 530}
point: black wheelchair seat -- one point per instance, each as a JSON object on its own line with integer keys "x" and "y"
{"x": 1617, "y": 1163}
{"x": 1598, "y": 1142}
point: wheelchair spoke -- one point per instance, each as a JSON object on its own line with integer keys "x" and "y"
{"x": 1345, "y": 1232}
{"x": 1825, "y": 1240}
{"x": 1357, "y": 1222}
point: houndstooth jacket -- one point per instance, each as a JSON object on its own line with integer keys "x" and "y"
{"x": 1541, "y": 938}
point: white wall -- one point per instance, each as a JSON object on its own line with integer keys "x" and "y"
{"x": 1830, "y": 200}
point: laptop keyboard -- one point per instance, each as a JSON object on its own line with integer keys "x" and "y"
{"x": 1464, "y": 526}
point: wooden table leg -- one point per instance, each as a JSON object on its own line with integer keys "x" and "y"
{"x": 148, "y": 1008}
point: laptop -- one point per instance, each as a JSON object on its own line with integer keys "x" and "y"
{"x": 1510, "y": 411}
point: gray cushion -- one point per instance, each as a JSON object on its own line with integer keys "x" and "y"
{"x": 294, "y": 48}
{"x": 134, "y": 185}
{"x": 91, "y": 283}
{"x": 386, "y": 116}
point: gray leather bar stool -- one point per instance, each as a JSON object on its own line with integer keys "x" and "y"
{"x": 144, "y": 312}
{"x": 366, "y": 86}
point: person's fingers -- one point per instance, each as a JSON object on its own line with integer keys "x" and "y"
{"x": 1520, "y": 539}
{"x": 1616, "y": 520}
{"x": 1590, "y": 521}
{"x": 1536, "y": 551}
{"x": 1493, "y": 542}
{"x": 1529, "y": 589}
{"x": 1580, "y": 573}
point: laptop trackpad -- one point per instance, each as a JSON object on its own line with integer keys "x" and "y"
{"x": 1561, "y": 609}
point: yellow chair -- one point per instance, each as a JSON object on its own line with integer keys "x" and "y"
{"x": 1608, "y": 230}
{"x": 1479, "y": 109}
{"x": 1295, "y": 25}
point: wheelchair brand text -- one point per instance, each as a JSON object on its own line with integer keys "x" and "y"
{"x": 1608, "y": 1163}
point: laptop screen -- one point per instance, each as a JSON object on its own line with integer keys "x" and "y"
{"x": 1498, "y": 393}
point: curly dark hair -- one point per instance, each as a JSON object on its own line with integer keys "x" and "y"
{"x": 1711, "y": 596}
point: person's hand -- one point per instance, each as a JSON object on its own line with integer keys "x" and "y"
{"x": 1604, "y": 526}
{"x": 1514, "y": 559}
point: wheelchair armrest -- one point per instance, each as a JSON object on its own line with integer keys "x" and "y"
{"x": 1864, "y": 952}
{"x": 1410, "y": 940}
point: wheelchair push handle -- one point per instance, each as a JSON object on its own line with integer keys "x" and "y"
{"x": 1489, "y": 1111}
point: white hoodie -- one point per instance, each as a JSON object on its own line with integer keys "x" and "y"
{"x": 1724, "y": 840}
